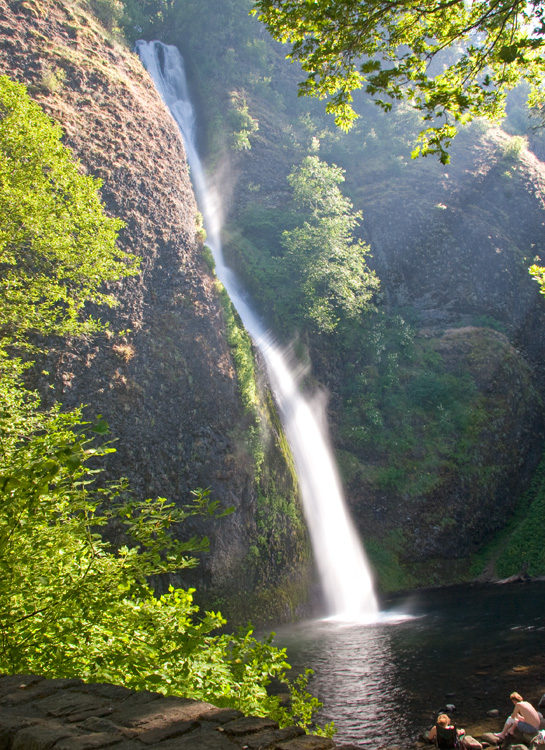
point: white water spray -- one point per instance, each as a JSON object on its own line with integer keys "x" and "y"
{"x": 341, "y": 561}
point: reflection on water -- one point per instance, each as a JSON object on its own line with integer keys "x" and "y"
{"x": 384, "y": 682}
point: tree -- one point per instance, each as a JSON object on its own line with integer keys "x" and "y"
{"x": 321, "y": 254}
{"x": 57, "y": 246}
{"x": 452, "y": 60}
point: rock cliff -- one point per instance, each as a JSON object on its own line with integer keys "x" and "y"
{"x": 167, "y": 387}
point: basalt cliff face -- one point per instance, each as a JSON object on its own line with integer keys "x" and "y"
{"x": 167, "y": 387}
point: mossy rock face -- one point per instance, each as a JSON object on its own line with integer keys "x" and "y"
{"x": 428, "y": 536}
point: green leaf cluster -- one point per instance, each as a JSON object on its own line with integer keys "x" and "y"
{"x": 73, "y": 604}
{"x": 242, "y": 123}
{"x": 451, "y": 60}
{"x": 304, "y": 264}
{"x": 322, "y": 257}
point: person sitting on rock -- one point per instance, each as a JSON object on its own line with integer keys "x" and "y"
{"x": 444, "y": 734}
{"x": 524, "y": 718}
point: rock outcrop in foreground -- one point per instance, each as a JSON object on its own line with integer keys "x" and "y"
{"x": 68, "y": 714}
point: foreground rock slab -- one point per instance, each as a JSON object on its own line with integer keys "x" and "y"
{"x": 69, "y": 714}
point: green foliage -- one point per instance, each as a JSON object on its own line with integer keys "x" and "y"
{"x": 538, "y": 274}
{"x": 322, "y": 258}
{"x": 71, "y": 602}
{"x": 199, "y": 226}
{"x": 57, "y": 247}
{"x": 243, "y": 357}
{"x": 254, "y": 247}
{"x": 401, "y": 52}
{"x": 108, "y": 12}
{"x": 435, "y": 390}
{"x": 303, "y": 705}
{"x": 242, "y": 123}
{"x": 487, "y": 321}
{"x": 404, "y": 413}
{"x": 63, "y": 588}
{"x": 208, "y": 257}
{"x": 241, "y": 349}
{"x": 144, "y": 18}
{"x": 512, "y": 149}
{"x": 278, "y": 520}
{"x": 384, "y": 556}
{"x": 52, "y": 80}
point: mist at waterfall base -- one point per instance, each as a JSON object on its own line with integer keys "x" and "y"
{"x": 342, "y": 565}
{"x": 384, "y": 683}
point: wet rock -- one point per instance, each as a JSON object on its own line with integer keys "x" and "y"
{"x": 267, "y": 740}
{"x": 92, "y": 741}
{"x": 490, "y": 738}
{"x": 159, "y": 734}
{"x": 248, "y": 725}
{"x": 41, "y": 736}
{"x": 222, "y": 715}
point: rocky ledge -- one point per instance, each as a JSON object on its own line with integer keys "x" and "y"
{"x": 69, "y": 714}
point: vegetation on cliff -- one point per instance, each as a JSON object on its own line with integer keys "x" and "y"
{"x": 312, "y": 277}
{"x": 57, "y": 247}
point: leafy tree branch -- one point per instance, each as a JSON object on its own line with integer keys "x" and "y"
{"x": 57, "y": 246}
{"x": 452, "y": 61}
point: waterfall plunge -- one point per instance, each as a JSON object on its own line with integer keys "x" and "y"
{"x": 342, "y": 565}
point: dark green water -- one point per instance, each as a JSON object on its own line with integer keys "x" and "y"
{"x": 385, "y": 682}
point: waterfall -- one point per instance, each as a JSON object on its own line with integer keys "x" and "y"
{"x": 341, "y": 561}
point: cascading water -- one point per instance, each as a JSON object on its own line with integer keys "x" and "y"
{"x": 343, "y": 568}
